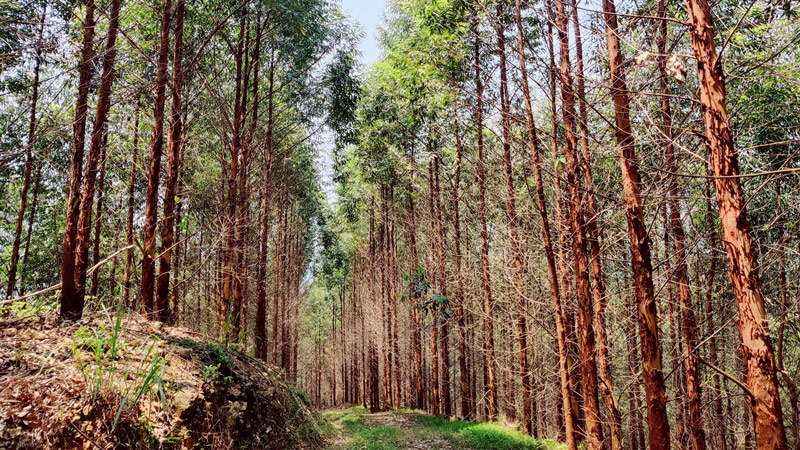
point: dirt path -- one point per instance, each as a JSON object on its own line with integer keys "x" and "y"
{"x": 413, "y": 431}
{"x": 355, "y": 428}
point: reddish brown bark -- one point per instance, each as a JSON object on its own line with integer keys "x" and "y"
{"x": 573, "y": 374}
{"x": 681, "y": 271}
{"x": 95, "y": 147}
{"x": 441, "y": 250}
{"x": 433, "y": 241}
{"x": 490, "y": 367}
{"x": 154, "y": 172}
{"x": 521, "y": 326}
{"x": 26, "y": 182}
{"x": 541, "y": 203}
{"x": 173, "y": 164}
{"x": 758, "y": 354}
{"x": 657, "y": 421}
{"x": 593, "y": 240}
{"x": 586, "y": 337}
{"x": 71, "y": 305}
{"x": 227, "y": 295}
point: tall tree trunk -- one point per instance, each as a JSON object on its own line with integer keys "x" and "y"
{"x": 434, "y": 275}
{"x": 467, "y": 408}
{"x": 416, "y": 341}
{"x": 518, "y": 284}
{"x": 98, "y": 220}
{"x": 441, "y": 247}
{"x": 126, "y": 284}
{"x": 71, "y": 306}
{"x": 709, "y": 301}
{"x": 266, "y": 195}
{"x": 98, "y": 133}
{"x": 154, "y": 172}
{"x": 593, "y": 239}
{"x": 586, "y": 338}
{"x": 639, "y": 242}
{"x": 541, "y": 204}
{"x": 758, "y": 354}
{"x": 26, "y": 183}
{"x": 173, "y": 173}
{"x": 225, "y": 300}
{"x": 681, "y": 273}
{"x": 566, "y": 310}
{"x": 490, "y": 367}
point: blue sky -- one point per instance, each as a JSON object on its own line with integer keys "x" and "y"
{"x": 368, "y": 14}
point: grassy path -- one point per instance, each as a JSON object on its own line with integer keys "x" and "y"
{"x": 355, "y": 428}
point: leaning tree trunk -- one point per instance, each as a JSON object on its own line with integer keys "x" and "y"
{"x": 639, "y": 242}
{"x": 758, "y": 355}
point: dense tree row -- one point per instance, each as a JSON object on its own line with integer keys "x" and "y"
{"x": 578, "y": 291}
{"x": 193, "y": 196}
{"x": 527, "y": 211}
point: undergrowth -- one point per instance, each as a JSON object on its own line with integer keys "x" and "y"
{"x": 110, "y": 377}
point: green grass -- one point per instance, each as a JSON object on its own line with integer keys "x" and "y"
{"x": 355, "y": 430}
{"x": 483, "y": 435}
{"x": 359, "y": 435}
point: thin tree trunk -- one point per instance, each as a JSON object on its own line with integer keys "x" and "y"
{"x": 657, "y": 420}
{"x": 71, "y": 306}
{"x": 511, "y": 209}
{"x": 681, "y": 273}
{"x": 126, "y": 284}
{"x": 173, "y": 173}
{"x": 154, "y": 172}
{"x": 490, "y": 367}
{"x": 759, "y": 357}
{"x": 416, "y": 342}
{"x": 98, "y": 133}
{"x": 31, "y": 218}
{"x": 441, "y": 247}
{"x": 594, "y": 430}
{"x": 709, "y": 301}
{"x": 261, "y": 292}
{"x": 572, "y": 377}
{"x": 98, "y": 220}
{"x": 614, "y": 416}
{"x": 541, "y": 203}
{"x": 26, "y": 183}
{"x": 466, "y": 399}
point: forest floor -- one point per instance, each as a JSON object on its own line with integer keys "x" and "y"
{"x": 355, "y": 428}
